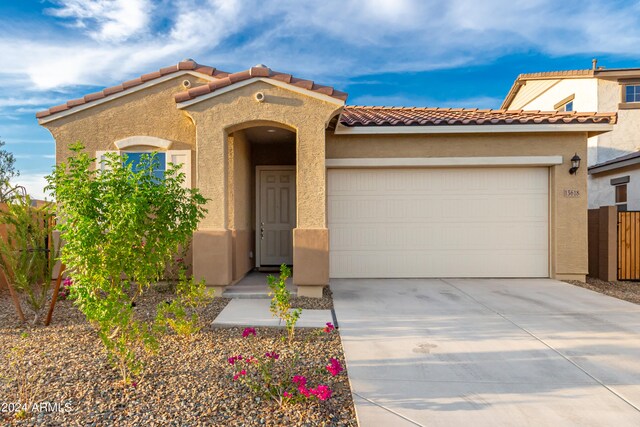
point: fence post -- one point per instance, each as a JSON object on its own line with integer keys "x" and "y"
{"x": 608, "y": 243}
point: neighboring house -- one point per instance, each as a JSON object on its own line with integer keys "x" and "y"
{"x": 294, "y": 176}
{"x": 613, "y": 157}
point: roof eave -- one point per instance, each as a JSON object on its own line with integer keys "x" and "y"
{"x": 237, "y": 85}
{"x": 82, "y": 107}
{"x": 594, "y": 170}
{"x": 589, "y": 128}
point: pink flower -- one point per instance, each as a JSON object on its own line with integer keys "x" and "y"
{"x": 304, "y": 391}
{"x": 239, "y": 374}
{"x": 250, "y": 359}
{"x": 248, "y": 331}
{"x": 68, "y": 281}
{"x": 286, "y": 395}
{"x": 134, "y": 384}
{"x": 299, "y": 379}
{"x": 329, "y": 327}
{"x": 272, "y": 355}
{"x": 322, "y": 392}
{"x": 334, "y": 367}
{"x": 233, "y": 359}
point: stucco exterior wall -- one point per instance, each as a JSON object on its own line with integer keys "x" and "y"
{"x": 625, "y": 137}
{"x": 530, "y": 90}
{"x": 239, "y": 194}
{"x": 151, "y": 112}
{"x": 568, "y": 215}
{"x": 222, "y": 115}
{"x": 585, "y": 91}
{"x": 602, "y": 193}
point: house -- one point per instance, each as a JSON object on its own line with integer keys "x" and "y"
{"x": 613, "y": 157}
{"x": 293, "y": 175}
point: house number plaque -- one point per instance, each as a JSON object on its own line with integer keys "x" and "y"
{"x": 571, "y": 193}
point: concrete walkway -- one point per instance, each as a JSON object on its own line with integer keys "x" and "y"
{"x": 462, "y": 352}
{"x": 255, "y": 312}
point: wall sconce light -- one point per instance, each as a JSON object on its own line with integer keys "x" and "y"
{"x": 575, "y": 164}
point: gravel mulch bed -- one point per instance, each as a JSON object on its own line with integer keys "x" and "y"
{"x": 188, "y": 382}
{"x": 324, "y": 303}
{"x": 628, "y": 291}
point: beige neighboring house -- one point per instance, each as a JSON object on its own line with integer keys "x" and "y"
{"x": 293, "y": 175}
{"x": 613, "y": 157}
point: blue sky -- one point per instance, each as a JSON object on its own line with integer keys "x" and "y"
{"x": 455, "y": 53}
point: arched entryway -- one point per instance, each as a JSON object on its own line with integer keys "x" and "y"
{"x": 261, "y": 210}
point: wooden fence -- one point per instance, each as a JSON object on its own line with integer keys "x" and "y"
{"x": 629, "y": 245}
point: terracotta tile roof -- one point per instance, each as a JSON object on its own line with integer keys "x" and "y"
{"x": 222, "y": 79}
{"x": 406, "y": 116}
{"x": 258, "y": 71}
{"x": 180, "y": 66}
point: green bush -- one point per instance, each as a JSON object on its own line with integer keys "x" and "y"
{"x": 120, "y": 227}
{"x": 281, "y": 301}
{"x": 28, "y": 254}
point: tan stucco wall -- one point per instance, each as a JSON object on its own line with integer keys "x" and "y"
{"x": 223, "y": 114}
{"x": 568, "y": 216}
{"x": 148, "y": 112}
{"x": 218, "y": 117}
{"x": 239, "y": 192}
{"x": 151, "y": 112}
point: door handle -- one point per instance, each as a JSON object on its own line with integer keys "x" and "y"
{"x": 261, "y": 230}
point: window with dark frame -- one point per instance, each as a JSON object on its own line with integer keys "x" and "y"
{"x": 621, "y": 197}
{"x": 632, "y": 93}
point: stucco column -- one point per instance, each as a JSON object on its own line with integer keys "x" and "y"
{"x": 311, "y": 237}
{"x": 212, "y": 242}
{"x": 569, "y": 246}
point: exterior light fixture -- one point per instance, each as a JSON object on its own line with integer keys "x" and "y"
{"x": 271, "y": 130}
{"x": 575, "y": 164}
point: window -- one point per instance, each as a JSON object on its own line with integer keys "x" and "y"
{"x": 566, "y": 104}
{"x": 182, "y": 158}
{"x": 159, "y": 166}
{"x": 567, "y": 107}
{"x": 632, "y": 93}
{"x": 621, "y": 197}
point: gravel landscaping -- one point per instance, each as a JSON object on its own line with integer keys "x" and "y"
{"x": 324, "y": 303}
{"x": 188, "y": 382}
{"x": 628, "y": 291}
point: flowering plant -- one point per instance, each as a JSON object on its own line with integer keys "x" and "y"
{"x": 65, "y": 290}
{"x": 276, "y": 376}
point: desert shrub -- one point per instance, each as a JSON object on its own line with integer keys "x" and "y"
{"x": 281, "y": 301}
{"x": 121, "y": 225}
{"x": 28, "y": 254}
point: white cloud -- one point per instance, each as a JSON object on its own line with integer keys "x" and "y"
{"x": 34, "y": 183}
{"x": 328, "y": 41}
{"x": 106, "y": 20}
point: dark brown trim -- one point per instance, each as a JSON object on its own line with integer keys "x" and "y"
{"x": 621, "y": 180}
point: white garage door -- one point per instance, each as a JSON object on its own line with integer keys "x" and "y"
{"x": 457, "y": 222}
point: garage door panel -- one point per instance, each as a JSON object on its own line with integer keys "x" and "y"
{"x": 438, "y": 222}
{"x": 411, "y": 264}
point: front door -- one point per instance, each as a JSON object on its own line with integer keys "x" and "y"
{"x": 276, "y": 216}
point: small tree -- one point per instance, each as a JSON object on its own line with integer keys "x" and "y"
{"x": 28, "y": 254}
{"x": 120, "y": 227}
{"x": 7, "y": 171}
{"x": 281, "y": 301}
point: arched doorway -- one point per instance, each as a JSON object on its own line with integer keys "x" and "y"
{"x": 262, "y": 196}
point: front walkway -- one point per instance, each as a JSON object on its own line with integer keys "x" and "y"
{"x": 461, "y": 352}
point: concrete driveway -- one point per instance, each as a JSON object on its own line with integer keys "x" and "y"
{"x": 475, "y": 352}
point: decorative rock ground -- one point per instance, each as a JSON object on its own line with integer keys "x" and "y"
{"x": 186, "y": 383}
